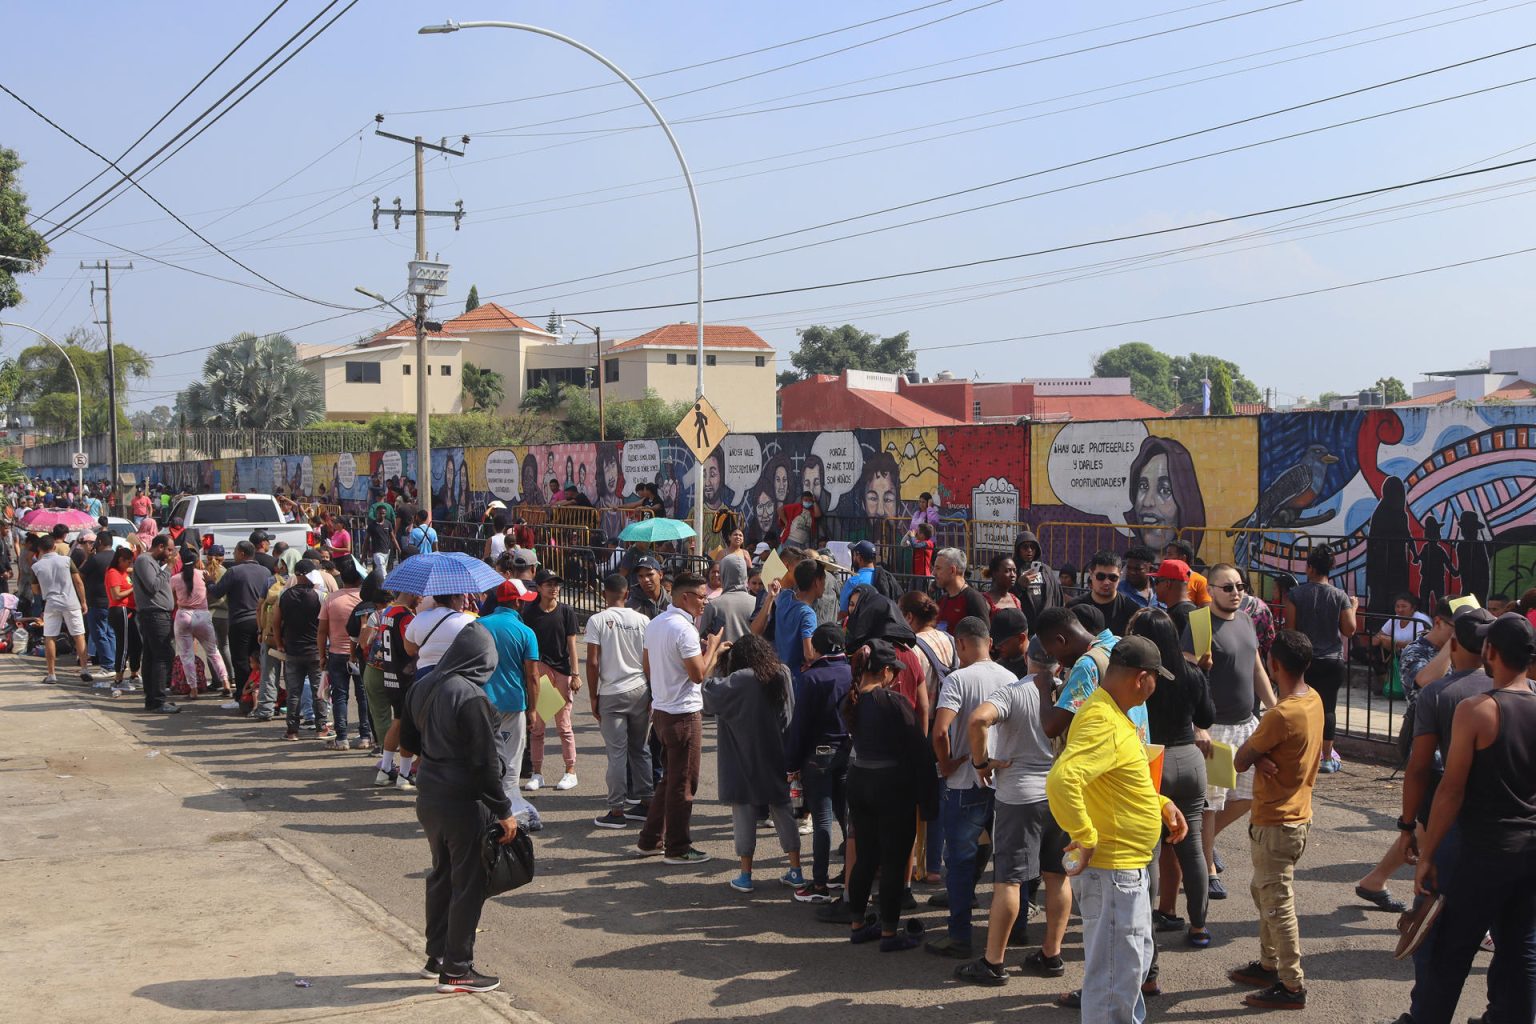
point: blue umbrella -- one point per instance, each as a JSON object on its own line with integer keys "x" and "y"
{"x": 656, "y": 531}
{"x": 437, "y": 573}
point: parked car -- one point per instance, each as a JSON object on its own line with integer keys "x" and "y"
{"x": 227, "y": 519}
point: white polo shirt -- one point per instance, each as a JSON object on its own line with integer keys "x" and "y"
{"x": 669, "y": 639}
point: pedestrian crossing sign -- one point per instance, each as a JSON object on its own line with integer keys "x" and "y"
{"x": 702, "y": 429}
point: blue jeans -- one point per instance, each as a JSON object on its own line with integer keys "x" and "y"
{"x": 338, "y": 669}
{"x": 1117, "y": 944}
{"x": 100, "y": 638}
{"x": 1490, "y": 892}
{"x": 298, "y": 671}
{"x": 824, "y": 780}
{"x": 963, "y": 815}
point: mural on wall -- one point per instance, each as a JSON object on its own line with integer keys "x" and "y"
{"x": 985, "y": 474}
{"x": 1430, "y": 502}
{"x": 1142, "y": 481}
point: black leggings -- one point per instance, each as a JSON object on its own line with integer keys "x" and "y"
{"x": 1325, "y": 676}
{"x": 883, "y": 808}
{"x": 130, "y": 648}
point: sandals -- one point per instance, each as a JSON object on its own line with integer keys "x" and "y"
{"x": 1199, "y": 940}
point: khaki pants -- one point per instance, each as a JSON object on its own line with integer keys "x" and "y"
{"x": 1276, "y": 849}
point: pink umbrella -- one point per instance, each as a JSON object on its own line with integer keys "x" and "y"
{"x": 45, "y": 519}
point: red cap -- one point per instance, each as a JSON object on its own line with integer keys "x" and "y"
{"x": 513, "y": 591}
{"x": 1172, "y": 569}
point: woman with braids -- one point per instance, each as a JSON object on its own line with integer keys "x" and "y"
{"x": 1003, "y": 572}
{"x": 753, "y": 706}
{"x": 890, "y": 778}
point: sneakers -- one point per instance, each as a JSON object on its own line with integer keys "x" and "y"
{"x": 946, "y": 945}
{"x": 813, "y": 894}
{"x": 690, "y": 856}
{"x": 1218, "y": 891}
{"x": 384, "y": 778}
{"x": 433, "y": 968}
{"x": 470, "y": 981}
{"x": 567, "y": 781}
{"x": 51, "y": 680}
{"x": 1327, "y": 766}
{"x": 535, "y": 782}
{"x": 261, "y": 716}
{"x": 85, "y": 676}
{"x": 128, "y": 687}
{"x": 741, "y": 883}
{"x": 835, "y": 912}
{"x": 403, "y": 782}
{"x": 230, "y": 705}
{"x": 979, "y": 972}
{"x": 807, "y": 826}
{"x": 1277, "y": 997}
{"x": 1382, "y": 899}
{"x": 613, "y": 819}
{"x": 101, "y": 684}
{"x": 164, "y": 709}
{"x": 793, "y": 878}
{"x": 639, "y": 812}
{"x": 534, "y": 823}
{"x": 1256, "y": 974}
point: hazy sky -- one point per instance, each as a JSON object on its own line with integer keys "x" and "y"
{"x": 559, "y": 192}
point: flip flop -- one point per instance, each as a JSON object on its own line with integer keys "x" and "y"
{"x": 1199, "y": 940}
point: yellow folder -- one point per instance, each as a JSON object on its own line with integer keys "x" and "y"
{"x": 1220, "y": 771}
{"x": 1200, "y": 631}
{"x": 550, "y": 702}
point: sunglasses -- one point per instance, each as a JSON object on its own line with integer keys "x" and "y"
{"x": 1230, "y": 587}
{"x": 1107, "y": 577}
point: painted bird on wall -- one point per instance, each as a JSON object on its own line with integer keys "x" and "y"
{"x": 1293, "y": 492}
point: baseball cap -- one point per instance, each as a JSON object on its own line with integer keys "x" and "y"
{"x": 1172, "y": 569}
{"x": 1471, "y": 625}
{"x": 1512, "y": 636}
{"x": 648, "y": 563}
{"x": 881, "y": 655}
{"x": 544, "y": 576}
{"x": 829, "y": 637}
{"x": 1007, "y": 624}
{"x": 513, "y": 591}
{"x": 215, "y": 551}
{"x": 523, "y": 558}
{"x": 1139, "y": 653}
{"x": 763, "y": 547}
{"x": 864, "y": 549}
{"x": 257, "y": 536}
{"x": 1038, "y": 654}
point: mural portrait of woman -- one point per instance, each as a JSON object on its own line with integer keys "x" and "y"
{"x": 529, "y": 493}
{"x": 1164, "y": 493}
{"x": 879, "y": 485}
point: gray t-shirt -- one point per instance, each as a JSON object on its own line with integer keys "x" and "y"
{"x": 1234, "y": 652}
{"x": 963, "y": 693}
{"x": 1318, "y": 607}
{"x": 1435, "y": 706}
{"x": 56, "y": 576}
{"x": 1019, "y": 738}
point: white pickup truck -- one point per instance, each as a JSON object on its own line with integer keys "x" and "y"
{"x": 227, "y": 519}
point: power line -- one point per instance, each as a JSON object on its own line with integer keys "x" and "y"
{"x": 173, "y": 108}
{"x": 91, "y": 208}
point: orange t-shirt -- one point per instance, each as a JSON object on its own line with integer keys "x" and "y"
{"x": 1199, "y": 590}
{"x": 1291, "y": 733}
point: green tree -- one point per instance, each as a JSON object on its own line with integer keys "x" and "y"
{"x": 835, "y": 349}
{"x": 1150, "y": 372}
{"x": 552, "y": 325}
{"x": 254, "y": 382}
{"x": 1393, "y": 389}
{"x": 648, "y": 416}
{"x": 1192, "y": 368}
{"x": 17, "y": 241}
{"x": 486, "y": 389}
{"x": 544, "y": 397}
{"x": 472, "y": 301}
{"x": 157, "y": 418}
{"x": 46, "y": 387}
{"x": 1221, "y": 392}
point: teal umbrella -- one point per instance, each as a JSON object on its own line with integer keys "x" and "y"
{"x": 656, "y": 531}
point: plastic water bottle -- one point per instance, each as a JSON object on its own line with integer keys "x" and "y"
{"x": 1072, "y": 860}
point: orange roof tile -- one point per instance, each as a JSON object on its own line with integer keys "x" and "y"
{"x": 490, "y": 317}
{"x": 1095, "y": 407}
{"x": 686, "y": 335}
{"x": 1519, "y": 391}
{"x": 404, "y": 329}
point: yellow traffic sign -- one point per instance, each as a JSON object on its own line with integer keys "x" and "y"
{"x": 702, "y": 429}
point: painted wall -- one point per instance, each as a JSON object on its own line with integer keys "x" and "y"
{"x": 1437, "y": 501}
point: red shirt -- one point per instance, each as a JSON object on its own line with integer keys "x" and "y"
{"x": 912, "y": 676}
{"x": 114, "y": 578}
{"x": 140, "y": 505}
{"x": 968, "y": 602}
{"x": 922, "y": 558}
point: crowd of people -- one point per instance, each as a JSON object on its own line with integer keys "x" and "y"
{"x": 1090, "y": 749}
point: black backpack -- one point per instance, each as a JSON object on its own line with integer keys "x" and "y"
{"x": 886, "y": 584}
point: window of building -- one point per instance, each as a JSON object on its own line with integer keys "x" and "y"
{"x": 407, "y": 368}
{"x": 362, "y": 373}
{"x": 447, "y": 369}
{"x": 760, "y": 361}
{"x": 429, "y": 369}
{"x": 671, "y": 358}
{"x": 975, "y": 410}
{"x": 610, "y": 371}
{"x": 709, "y": 360}
{"x": 557, "y": 376}
{"x": 693, "y": 359}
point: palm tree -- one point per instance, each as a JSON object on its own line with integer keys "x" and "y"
{"x": 254, "y": 382}
{"x": 487, "y": 389}
{"x": 546, "y": 397}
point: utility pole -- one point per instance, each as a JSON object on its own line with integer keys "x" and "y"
{"x": 422, "y": 290}
{"x": 106, "y": 267}
{"x": 602, "y": 413}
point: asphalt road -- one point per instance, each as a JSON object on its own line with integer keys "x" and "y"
{"x": 602, "y": 936}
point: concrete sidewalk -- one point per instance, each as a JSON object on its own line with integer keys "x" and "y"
{"x": 135, "y": 888}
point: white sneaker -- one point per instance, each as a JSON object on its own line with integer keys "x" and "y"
{"x": 51, "y": 680}
{"x": 383, "y": 778}
{"x": 567, "y": 781}
{"x": 807, "y": 826}
{"x": 101, "y": 684}
{"x": 404, "y": 782}
{"x": 535, "y": 781}
{"x": 129, "y": 687}
{"x": 230, "y": 705}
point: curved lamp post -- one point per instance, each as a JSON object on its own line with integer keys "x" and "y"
{"x": 693, "y": 197}
{"x": 79, "y": 400}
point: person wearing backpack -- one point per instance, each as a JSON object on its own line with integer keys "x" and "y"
{"x": 422, "y": 539}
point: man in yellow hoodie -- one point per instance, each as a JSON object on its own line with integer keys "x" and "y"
{"x": 1102, "y": 796}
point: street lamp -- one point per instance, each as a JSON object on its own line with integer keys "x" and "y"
{"x": 602, "y": 413}
{"x": 423, "y": 427}
{"x": 693, "y": 198}
{"x": 79, "y": 404}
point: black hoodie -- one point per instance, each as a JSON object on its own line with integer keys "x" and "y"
{"x": 450, "y": 723}
{"x": 876, "y": 618}
{"x": 1034, "y": 602}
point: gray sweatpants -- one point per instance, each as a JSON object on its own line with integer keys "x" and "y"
{"x": 625, "y": 718}
{"x": 744, "y": 827}
{"x": 511, "y": 735}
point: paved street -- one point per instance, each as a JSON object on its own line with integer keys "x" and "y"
{"x": 201, "y": 881}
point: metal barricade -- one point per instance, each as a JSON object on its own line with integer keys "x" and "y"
{"x": 1375, "y": 700}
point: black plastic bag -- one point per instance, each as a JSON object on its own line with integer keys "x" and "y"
{"x": 508, "y": 866}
